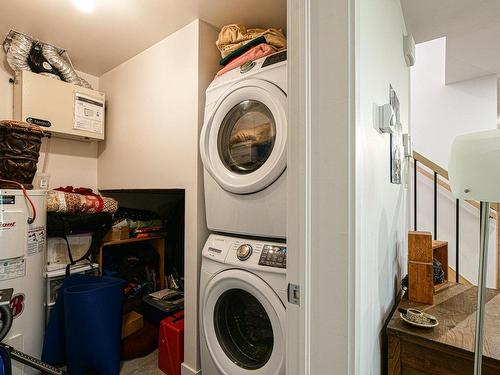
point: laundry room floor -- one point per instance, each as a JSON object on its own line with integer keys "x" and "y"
{"x": 147, "y": 365}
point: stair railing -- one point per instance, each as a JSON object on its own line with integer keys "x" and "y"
{"x": 439, "y": 176}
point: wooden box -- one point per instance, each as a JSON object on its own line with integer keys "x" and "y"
{"x": 422, "y": 250}
{"x": 117, "y": 234}
{"x": 131, "y": 323}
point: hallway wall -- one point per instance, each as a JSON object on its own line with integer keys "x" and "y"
{"x": 440, "y": 112}
{"x": 381, "y": 207}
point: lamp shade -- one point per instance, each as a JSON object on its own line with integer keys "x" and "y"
{"x": 474, "y": 166}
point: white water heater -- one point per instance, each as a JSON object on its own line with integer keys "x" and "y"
{"x": 22, "y": 253}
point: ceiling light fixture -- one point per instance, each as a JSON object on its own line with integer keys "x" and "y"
{"x": 86, "y": 6}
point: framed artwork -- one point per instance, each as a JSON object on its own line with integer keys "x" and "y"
{"x": 396, "y": 143}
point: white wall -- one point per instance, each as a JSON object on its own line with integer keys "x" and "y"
{"x": 381, "y": 207}
{"x": 441, "y": 112}
{"x": 155, "y": 105}
{"x": 70, "y": 162}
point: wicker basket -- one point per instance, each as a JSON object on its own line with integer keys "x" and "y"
{"x": 19, "y": 151}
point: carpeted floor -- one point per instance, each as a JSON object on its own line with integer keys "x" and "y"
{"x": 144, "y": 366}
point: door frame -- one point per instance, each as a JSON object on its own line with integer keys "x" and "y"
{"x": 320, "y": 170}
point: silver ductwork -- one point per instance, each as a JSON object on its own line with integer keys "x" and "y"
{"x": 52, "y": 55}
{"x": 18, "y": 47}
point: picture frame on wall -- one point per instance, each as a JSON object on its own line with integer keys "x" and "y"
{"x": 396, "y": 141}
{"x": 396, "y": 155}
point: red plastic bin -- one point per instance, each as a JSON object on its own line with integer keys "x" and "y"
{"x": 171, "y": 344}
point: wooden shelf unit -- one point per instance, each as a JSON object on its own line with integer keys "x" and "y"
{"x": 422, "y": 251}
{"x": 157, "y": 242}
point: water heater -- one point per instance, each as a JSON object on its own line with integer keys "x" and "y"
{"x": 22, "y": 254}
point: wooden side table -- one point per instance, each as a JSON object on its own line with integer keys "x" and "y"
{"x": 157, "y": 242}
{"x": 448, "y": 348}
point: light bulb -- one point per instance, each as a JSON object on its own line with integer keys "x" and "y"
{"x": 86, "y": 6}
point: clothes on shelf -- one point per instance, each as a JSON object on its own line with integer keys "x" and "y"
{"x": 254, "y": 53}
{"x": 239, "y": 45}
{"x": 141, "y": 223}
{"x": 232, "y": 37}
{"x": 73, "y": 201}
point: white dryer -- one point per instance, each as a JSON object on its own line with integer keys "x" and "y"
{"x": 242, "y": 307}
{"x": 243, "y": 146}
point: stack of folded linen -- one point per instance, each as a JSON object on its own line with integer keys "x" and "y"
{"x": 79, "y": 201}
{"x": 239, "y": 45}
{"x": 142, "y": 223}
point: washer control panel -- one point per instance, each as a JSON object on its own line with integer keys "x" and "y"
{"x": 273, "y": 256}
{"x": 244, "y": 251}
{"x": 275, "y": 58}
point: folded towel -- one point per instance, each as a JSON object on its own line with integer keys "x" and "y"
{"x": 233, "y": 36}
{"x": 240, "y": 51}
{"x": 253, "y": 53}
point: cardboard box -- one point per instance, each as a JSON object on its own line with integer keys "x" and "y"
{"x": 116, "y": 234}
{"x": 131, "y": 323}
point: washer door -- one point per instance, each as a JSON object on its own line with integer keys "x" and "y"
{"x": 243, "y": 140}
{"x": 244, "y": 324}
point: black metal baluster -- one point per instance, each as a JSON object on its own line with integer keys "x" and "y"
{"x": 415, "y": 194}
{"x": 435, "y": 204}
{"x": 457, "y": 249}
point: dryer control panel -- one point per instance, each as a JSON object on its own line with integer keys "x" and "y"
{"x": 273, "y": 256}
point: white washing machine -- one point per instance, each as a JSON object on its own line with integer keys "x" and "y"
{"x": 242, "y": 307}
{"x": 243, "y": 147}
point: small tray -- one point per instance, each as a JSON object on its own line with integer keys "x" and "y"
{"x": 419, "y": 325}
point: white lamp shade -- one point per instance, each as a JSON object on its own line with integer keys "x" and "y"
{"x": 474, "y": 166}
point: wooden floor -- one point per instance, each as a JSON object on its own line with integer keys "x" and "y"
{"x": 144, "y": 366}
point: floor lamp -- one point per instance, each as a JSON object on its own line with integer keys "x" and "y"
{"x": 474, "y": 174}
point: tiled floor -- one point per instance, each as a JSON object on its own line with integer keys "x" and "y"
{"x": 144, "y": 366}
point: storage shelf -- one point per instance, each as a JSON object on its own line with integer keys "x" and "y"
{"x": 157, "y": 241}
{"x": 132, "y": 240}
{"x": 440, "y": 287}
{"x": 438, "y": 244}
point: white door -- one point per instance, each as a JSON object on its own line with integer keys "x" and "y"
{"x": 244, "y": 324}
{"x": 243, "y": 140}
{"x": 320, "y": 239}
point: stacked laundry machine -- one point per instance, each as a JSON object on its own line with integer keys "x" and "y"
{"x": 243, "y": 146}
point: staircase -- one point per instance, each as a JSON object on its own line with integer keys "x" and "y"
{"x": 451, "y": 220}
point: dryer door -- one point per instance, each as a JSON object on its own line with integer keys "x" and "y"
{"x": 244, "y": 324}
{"x": 243, "y": 140}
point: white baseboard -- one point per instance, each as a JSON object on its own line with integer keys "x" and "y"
{"x": 186, "y": 370}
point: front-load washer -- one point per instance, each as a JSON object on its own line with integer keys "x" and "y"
{"x": 242, "y": 307}
{"x": 243, "y": 148}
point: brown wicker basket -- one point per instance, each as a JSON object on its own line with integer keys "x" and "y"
{"x": 19, "y": 151}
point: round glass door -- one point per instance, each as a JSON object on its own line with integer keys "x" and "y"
{"x": 243, "y": 329}
{"x": 243, "y": 139}
{"x": 243, "y": 324}
{"x": 246, "y": 137}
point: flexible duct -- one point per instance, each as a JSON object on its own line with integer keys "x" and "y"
{"x": 57, "y": 61}
{"x": 19, "y": 50}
